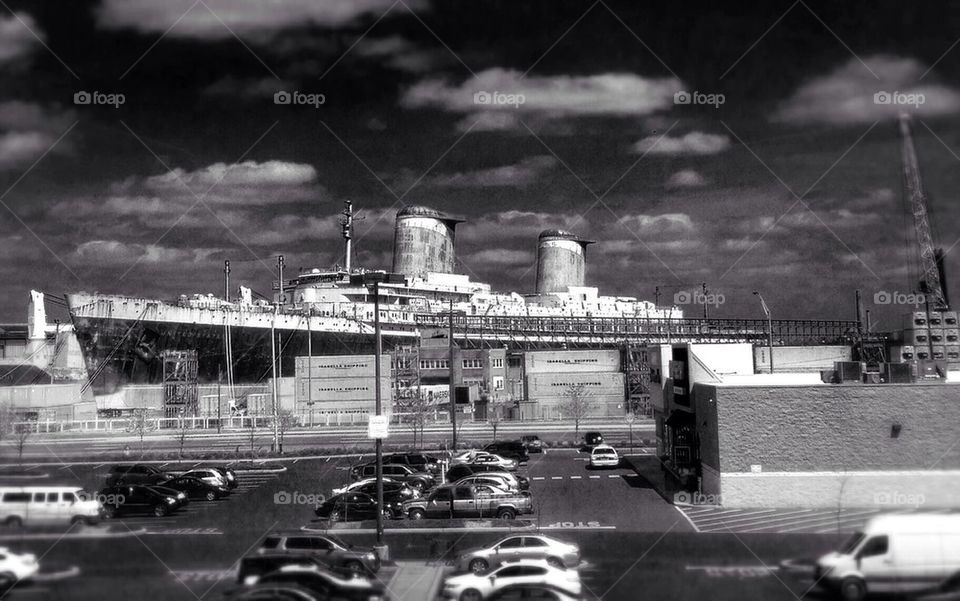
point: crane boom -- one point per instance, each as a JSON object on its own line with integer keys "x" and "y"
{"x": 930, "y": 280}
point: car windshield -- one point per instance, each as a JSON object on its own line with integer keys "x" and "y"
{"x": 852, "y": 543}
{"x": 604, "y": 452}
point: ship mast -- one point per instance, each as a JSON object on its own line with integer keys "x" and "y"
{"x": 346, "y": 223}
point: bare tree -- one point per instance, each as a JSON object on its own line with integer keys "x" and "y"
{"x": 181, "y": 434}
{"x": 140, "y": 424}
{"x": 495, "y": 409}
{"x": 21, "y": 433}
{"x": 577, "y": 404}
{"x": 8, "y": 417}
{"x": 286, "y": 420}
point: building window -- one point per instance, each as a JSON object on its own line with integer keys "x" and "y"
{"x": 472, "y": 363}
{"x": 496, "y": 363}
{"x": 498, "y": 383}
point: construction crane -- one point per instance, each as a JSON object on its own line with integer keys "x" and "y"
{"x": 931, "y": 260}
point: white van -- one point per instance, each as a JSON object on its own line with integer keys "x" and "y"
{"x": 896, "y": 554}
{"x": 47, "y": 505}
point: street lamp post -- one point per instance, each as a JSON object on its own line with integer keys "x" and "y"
{"x": 766, "y": 311}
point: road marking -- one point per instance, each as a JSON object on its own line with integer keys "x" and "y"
{"x": 556, "y": 477}
{"x": 295, "y": 461}
{"x": 538, "y": 478}
{"x": 613, "y": 476}
{"x": 594, "y": 477}
{"x": 687, "y": 517}
{"x": 66, "y": 467}
{"x": 328, "y": 460}
{"x": 575, "y": 477}
{"x": 96, "y": 467}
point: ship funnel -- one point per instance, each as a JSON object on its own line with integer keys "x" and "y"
{"x": 423, "y": 241}
{"x": 561, "y": 261}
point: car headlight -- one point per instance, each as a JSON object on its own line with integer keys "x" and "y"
{"x": 171, "y": 500}
{"x": 371, "y": 556}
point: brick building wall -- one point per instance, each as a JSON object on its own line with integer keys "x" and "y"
{"x": 820, "y": 445}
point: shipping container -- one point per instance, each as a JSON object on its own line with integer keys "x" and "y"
{"x": 951, "y": 336}
{"x": 903, "y": 353}
{"x": 950, "y": 319}
{"x": 545, "y": 362}
{"x": 341, "y": 366}
{"x": 953, "y": 353}
{"x": 917, "y": 337}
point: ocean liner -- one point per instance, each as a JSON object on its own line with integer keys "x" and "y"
{"x": 332, "y": 312}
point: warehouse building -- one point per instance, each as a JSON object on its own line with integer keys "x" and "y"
{"x": 341, "y": 384}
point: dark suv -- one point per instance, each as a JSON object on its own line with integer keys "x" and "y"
{"x": 510, "y": 449}
{"x": 592, "y": 439}
{"x": 304, "y": 544}
{"x": 136, "y": 474}
{"x": 401, "y": 473}
{"x": 125, "y": 500}
{"x": 532, "y": 442}
{"x": 417, "y": 461}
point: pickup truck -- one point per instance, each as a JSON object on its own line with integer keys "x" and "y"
{"x": 452, "y": 501}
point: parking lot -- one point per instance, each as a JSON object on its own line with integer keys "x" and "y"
{"x": 630, "y": 537}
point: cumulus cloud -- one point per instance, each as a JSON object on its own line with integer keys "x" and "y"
{"x": 115, "y": 252}
{"x": 846, "y": 94}
{"x": 525, "y": 173}
{"x": 253, "y": 18}
{"x": 693, "y": 143}
{"x": 522, "y": 225}
{"x": 400, "y": 53}
{"x": 665, "y": 223}
{"x": 617, "y": 94}
{"x": 16, "y": 41}
{"x": 251, "y": 176}
{"x": 685, "y": 178}
{"x": 497, "y": 256}
{"x": 27, "y": 130}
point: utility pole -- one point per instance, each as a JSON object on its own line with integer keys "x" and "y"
{"x": 219, "y": 377}
{"x": 453, "y": 388}
{"x": 273, "y": 363}
{"x": 376, "y": 387}
{"x": 769, "y": 327}
{"x": 704, "y": 286}
{"x": 656, "y": 297}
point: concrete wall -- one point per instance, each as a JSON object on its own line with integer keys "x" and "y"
{"x": 805, "y": 445}
{"x": 54, "y": 402}
{"x": 801, "y": 358}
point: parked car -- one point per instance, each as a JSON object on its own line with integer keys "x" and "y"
{"x": 231, "y": 476}
{"x": 135, "y": 474}
{"x": 505, "y": 480}
{"x": 273, "y": 592}
{"x": 466, "y": 502}
{"x": 29, "y": 505}
{"x": 510, "y": 449}
{"x": 418, "y": 461}
{"x": 358, "y": 483}
{"x": 491, "y": 459}
{"x": 592, "y": 439}
{"x": 347, "y": 507}
{"x": 124, "y": 500}
{"x": 532, "y": 442}
{"x": 208, "y": 475}
{"x": 926, "y": 546}
{"x": 555, "y": 552}
{"x": 16, "y": 568}
{"x": 533, "y": 592}
{"x": 604, "y": 455}
{"x": 474, "y": 587}
{"x": 324, "y": 583}
{"x": 400, "y": 473}
{"x": 330, "y": 552}
{"x": 196, "y": 489}
{"x": 179, "y": 496}
{"x": 392, "y": 488}
{"x": 458, "y": 472}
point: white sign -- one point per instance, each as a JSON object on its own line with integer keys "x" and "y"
{"x": 378, "y": 426}
{"x": 756, "y": 469}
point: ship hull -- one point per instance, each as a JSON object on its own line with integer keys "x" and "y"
{"x": 120, "y": 351}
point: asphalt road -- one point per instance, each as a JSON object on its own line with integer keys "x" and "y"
{"x": 42, "y": 447}
{"x": 635, "y": 544}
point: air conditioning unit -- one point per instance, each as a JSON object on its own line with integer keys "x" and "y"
{"x": 829, "y": 376}
{"x": 849, "y": 371}
{"x": 896, "y": 373}
{"x": 872, "y": 377}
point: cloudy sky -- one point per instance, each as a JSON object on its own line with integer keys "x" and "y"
{"x": 782, "y": 173}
